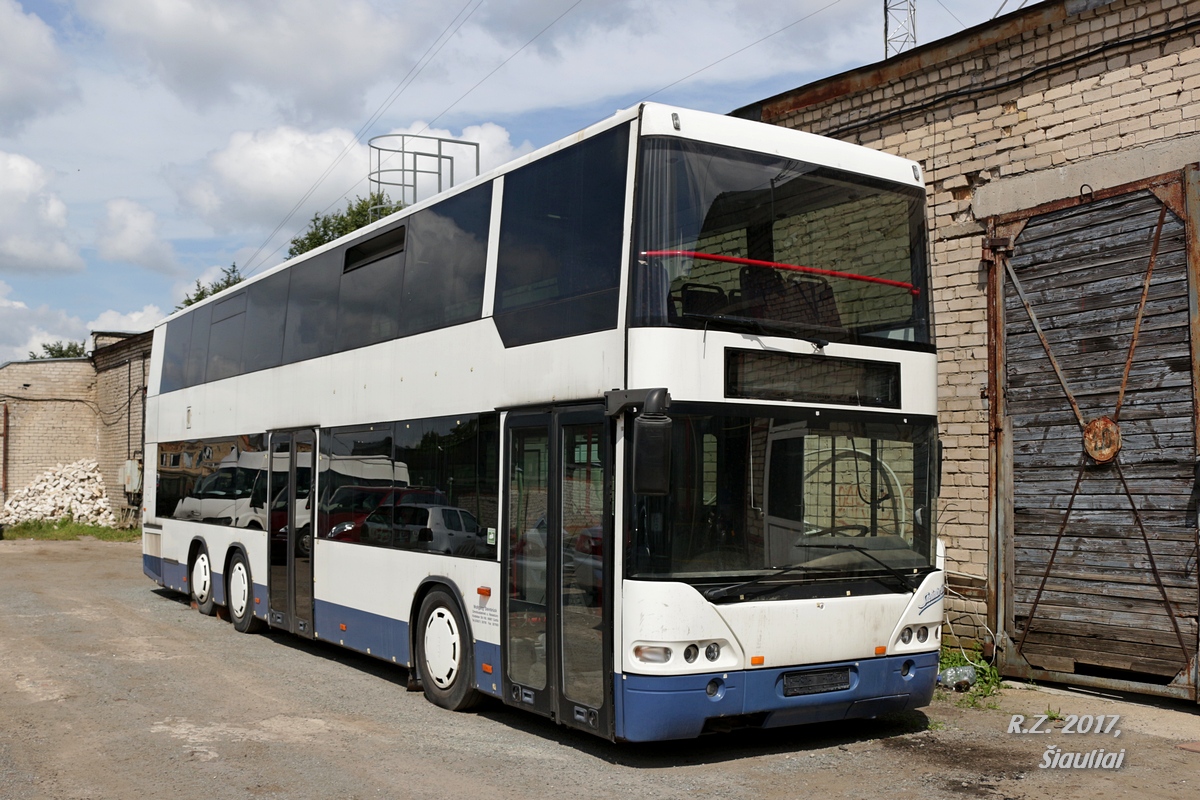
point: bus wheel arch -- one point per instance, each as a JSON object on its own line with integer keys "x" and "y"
{"x": 239, "y": 592}
{"x": 200, "y": 578}
{"x": 443, "y": 649}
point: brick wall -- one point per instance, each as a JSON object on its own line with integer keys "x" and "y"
{"x": 122, "y": 365}
{"x": 1024, "y": 110}
{"x": 62, "y": 410}
{"x": 52, "y": 415}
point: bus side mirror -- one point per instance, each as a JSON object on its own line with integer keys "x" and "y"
{"x": 652, "y": 454}
{"x": 651, "y": 436}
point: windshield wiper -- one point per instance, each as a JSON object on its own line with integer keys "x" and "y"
{"x": 761, "y": 326}
{"x": 739, "y": 588}
{"x": 900, "y": 576}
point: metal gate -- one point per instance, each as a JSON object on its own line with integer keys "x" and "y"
{"x": 1094, "y": 318}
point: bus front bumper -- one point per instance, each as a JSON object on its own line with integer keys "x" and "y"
{"x": 651, "y": 708}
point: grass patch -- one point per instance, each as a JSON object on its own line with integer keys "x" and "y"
{"x": 987, "y": 677}
{"x": 68, "y": 530}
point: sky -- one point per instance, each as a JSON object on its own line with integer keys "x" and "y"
{"x": 147, "y": 144}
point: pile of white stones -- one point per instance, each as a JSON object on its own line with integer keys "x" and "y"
{"x": 75, "y": 490}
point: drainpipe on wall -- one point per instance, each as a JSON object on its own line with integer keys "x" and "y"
{"x": 4, "y": 458}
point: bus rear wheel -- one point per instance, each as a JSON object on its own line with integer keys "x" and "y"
{"x": 444, "y": 653}
{"x": 241, "y": 594}
{"x": 201, "y": 583}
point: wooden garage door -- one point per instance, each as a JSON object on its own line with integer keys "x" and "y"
{"x": 1097, "y": 377}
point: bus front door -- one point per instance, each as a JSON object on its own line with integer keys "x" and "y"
{"x": 289, "y": 520}
{"x": 557, "y": 619}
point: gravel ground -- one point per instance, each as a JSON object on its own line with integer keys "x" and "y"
{"x": 111, "y": 688}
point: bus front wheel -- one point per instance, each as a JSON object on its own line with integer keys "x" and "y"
{"x": 444, "y": 653}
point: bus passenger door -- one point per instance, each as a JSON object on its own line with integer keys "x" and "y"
{"x": 290, "y": 511}
{"x": 557, "y": 565}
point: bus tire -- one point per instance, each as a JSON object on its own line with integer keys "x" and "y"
{"x": 240, "y": 591}
{"x": 200, "y": 581}
{"x": 444, "y": 653}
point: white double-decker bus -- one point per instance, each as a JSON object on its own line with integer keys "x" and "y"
{"x": 636, "y": 432}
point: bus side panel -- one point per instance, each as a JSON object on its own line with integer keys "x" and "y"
{"x": 363, "y": 599}
{"x": 152, "y": 555}
{"x": 220, "y": 540}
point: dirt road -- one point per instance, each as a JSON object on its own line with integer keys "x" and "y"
{"x": 110, "y": 688}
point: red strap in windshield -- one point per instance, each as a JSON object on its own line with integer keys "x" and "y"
{"x": 751, "y": 262}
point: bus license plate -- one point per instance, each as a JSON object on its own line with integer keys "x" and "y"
{"x": 816, "y": 681}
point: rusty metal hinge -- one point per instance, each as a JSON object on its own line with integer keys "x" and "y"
{"x": 995, "y": 245}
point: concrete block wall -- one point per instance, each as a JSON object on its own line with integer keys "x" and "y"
{"x": 1021, "y": 111}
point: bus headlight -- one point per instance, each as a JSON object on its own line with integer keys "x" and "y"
{"x": 712, "y": 652}
{"x": 690, "y": 653}
{"x": 652, "y": 654}
{"x": 906, "y": 635}
{"x": 922, "y": 634}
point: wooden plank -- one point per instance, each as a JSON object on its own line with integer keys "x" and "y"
{"x": 1121, "y": 257}
{"x": 1093, "y": 280}
{"x": 1136, "y": 221}
{"x": 1180, "y": 606}
{"x": 1145, "y": 425}
{"x": 1172, "y": 333}
{"x": 1124, "y": 633}
{"x": 1086, "y": 217}
{"x": 1116, "y": 259}
{"x": 1121, "y": 582}
{"x": 1108, "y": 528}
{"x": 1095, "y": 639}
{"x": 1144, "y": 620}
{"x": 1155, "y": 443}
{"x": 1138, "y": 405}
{"x": 1042, "y": 652}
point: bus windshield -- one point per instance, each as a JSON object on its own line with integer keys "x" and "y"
{"x": 733, "y": 240}
{"x": 755, "y": 491}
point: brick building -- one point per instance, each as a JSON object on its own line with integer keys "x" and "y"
{"x": 1059, "y": 145}
{"x": 57, "y": 411}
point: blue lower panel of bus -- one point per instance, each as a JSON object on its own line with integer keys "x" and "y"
{"x": 387, "y": 638}
{"x": 152, "y": 566}
{"x": 377, "y": 635}
{"x": 174, "y": 575}
{"x": 488, "y": 655}
{"x": 650, "y": 708}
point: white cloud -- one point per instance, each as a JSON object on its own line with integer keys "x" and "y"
{"x": 24, "y": 329}
{"x": 132, "y": 322}
{"x": 33, "y": 220}
{"x": 129, "y": 233}
{"x": 258, "y": 177}
{"x": 32, "y": 71}
{"x": 315, "y": 60}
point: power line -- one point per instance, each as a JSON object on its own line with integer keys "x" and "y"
{"x": 444, "y": 111}
{"x": 742, "y": 50}
{"x": 956, "y": 19}
{"x": 413, "y": 73}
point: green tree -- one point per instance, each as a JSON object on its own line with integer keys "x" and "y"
{"x": 324, "y": 228}
{"x": 229, "y": 276}
{"x": 60, "y": 349}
